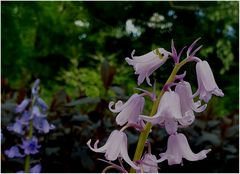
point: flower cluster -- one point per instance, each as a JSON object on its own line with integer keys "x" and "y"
{"x": 175, "y": 108}
{"x": 31, "y": 120}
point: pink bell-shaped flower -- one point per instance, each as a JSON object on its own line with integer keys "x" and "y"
{"x": 183, "y": 89}
{"x": 169, "y": 112}
{"x": 129, "y": 111}
{"x": 146, "y": 64}
{"x": 116, "y": 146}
{"x": 178, "y": 148}
{"x": 206, "y": 82}
{"x": 148, "y": 164}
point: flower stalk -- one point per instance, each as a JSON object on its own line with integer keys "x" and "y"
{"x": 27, "y": 158}
{"x": 144, "y": 134}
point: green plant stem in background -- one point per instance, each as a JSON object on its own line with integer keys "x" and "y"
{"x": 27, "y": 159}
{"x": 144, "y": 134}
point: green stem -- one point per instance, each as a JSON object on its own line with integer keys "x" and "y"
{"x": 144, "y": 134}
{"x": 30, "y": 134}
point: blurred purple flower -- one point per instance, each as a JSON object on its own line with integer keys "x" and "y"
{"x": 41, "y": 103}
{"x": 116, "y": 146}
{"x": 36, "y": 112}
{"x": 22, "y": 106}
{"x": 16, "y": 127}
{"x": 30, "y": 146}
{"x": 178, "y": 148}
{"x": 129, "y": 111}
{"x": 35, "y": 87}
{"x": 42, "y": 125}
{"x": 24, "y": 120}
{"x": 35, "y": 169}
{"x": 146, "y": 64}
{"x": 206, "y": 82}
{"x": 13, "y": 152}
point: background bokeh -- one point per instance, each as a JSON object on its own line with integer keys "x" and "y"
{"x": 77, "y": 49}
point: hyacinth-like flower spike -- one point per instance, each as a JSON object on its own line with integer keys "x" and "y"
{"x": 183, "y": 89}
{"x": 129, "y": 111}
{"x": 178, "y": 148}
{"x": 206, "y": 82}
{"x": 116, "y": 146}
{"x": 169, "y": 113}
{"x": 174, "y": 53}
{"x": 146, "y": 64}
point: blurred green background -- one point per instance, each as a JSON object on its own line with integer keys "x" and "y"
{"x": 80, "y": 48}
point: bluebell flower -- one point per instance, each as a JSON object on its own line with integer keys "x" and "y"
{"x": 25, "y": 118}
{"x": 22, "y": 106}
{"x": 17, "y": 127}
{"x": 30, "y": 146}
{"x": 13, "y": 152}
{"x": 41, "y": 103}
{"x": 35, "y": 169}
{"x": 42, "y": 125}
{"x": 35, "y": 87}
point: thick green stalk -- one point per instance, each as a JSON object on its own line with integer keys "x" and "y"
{"x": 144, "y": 134}
{"x": 27, "y": 159}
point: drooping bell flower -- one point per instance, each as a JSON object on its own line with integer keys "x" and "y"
{"x": 35, "y": 87}
{"x": 183, "y": 89}
{"x": 30, "y": 146}
{"x": 22, "y": 106}
{"x": 35, "y": 169}
{"x": 129, "y": 111}
{"x": 42, "y": 125}
{"x": 13, "y": 152}
{"x": 148, "y": 164}
{"x": 17, "y": 127}
{"x": 178, "y": 148}
{"x": 42, "y": 104}
{"x": 116, "y": 146}
{"x": 206, "y": 82}
{"x": 169, "y": 109}
{"x": 146, "y": 64}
